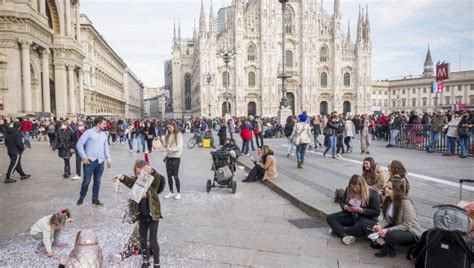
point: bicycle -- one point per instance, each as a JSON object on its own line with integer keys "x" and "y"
{"x": 195, "y": 139}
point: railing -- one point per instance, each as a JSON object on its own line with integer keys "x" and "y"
{"x": 418, "y": 136}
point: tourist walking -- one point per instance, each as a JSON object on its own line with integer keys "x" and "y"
{"x": 26, "y": 128}
{"x": 174, "y": 148}
{"x": 301, "y": 138}
{"x": 51, "y": 130}
{"x": 364, "y": 135}
{"x": 290, "y": 123}
{"x": 349, "y": 133}
{"x": 94, "y": 150}
{"x": 330, "y": 133}
{"x": 15, "y": 149}
{"x": 150, "y": 134}
{"x": 65, "y": 141}
{"x": 465, "y": 129}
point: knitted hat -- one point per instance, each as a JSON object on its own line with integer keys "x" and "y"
{"x": 303, "y": 117}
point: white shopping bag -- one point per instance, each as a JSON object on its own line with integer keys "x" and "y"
{"x": 141, "y": 186}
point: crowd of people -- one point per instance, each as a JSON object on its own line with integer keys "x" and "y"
{"x": 366, "y": 196}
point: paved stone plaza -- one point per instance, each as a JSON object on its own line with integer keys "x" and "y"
{"x": 249, "y": 229}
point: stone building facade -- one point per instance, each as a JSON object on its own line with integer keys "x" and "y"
{"x": 328, "y": 70}
{"x": 414, "y": 94}
{"x": 52, "y": 60}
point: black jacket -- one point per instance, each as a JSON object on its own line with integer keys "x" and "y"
{"x": 371, "y": 210}
{"x": 65, "y": 141}
{"x": 13, "y": 141}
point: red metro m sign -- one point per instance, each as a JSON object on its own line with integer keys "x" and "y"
{"x": 442, "y": 71}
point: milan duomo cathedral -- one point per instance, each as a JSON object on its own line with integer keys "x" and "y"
{"x": 328, "y": 71}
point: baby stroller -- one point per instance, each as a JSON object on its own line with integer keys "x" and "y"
{"x": 223, "y": 166}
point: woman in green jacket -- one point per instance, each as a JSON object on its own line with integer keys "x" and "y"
{"x": 147, "y": 211}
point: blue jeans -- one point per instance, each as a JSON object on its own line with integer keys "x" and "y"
{"x": 290, "y": 145}
{"x": 26, "y": 139}
{"x": 332, "y": 141}
{"x": 450, "y": 144}
{"x": 141, "y": 140}
{"x": 96, "y": 169}
{"x": 300, "y": 152}
{"x": 435, "y": 135}
{"x": 464, "y": 146}
{"x": 130, "y": 143}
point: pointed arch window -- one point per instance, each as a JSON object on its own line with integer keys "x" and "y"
{"x": 289, "y": 58}
{"x": 187, "y": 91}
{"x": 251, "y": 53}
{"x": 251, "y": 79}
{"x": 289, "y": 20}
{"x": 323, "y": 54}
{"x": 347, "y": 79}
{"x": 225, "y": 79}
{"x": 324, "y": 79}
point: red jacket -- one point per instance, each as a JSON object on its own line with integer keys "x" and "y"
{"x": 383, "y": 120}
{"x": 245, "y": 134}
{"x": 26, "y": 126}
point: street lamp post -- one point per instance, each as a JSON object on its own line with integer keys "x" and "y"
{"x": 283, "y": 111}
{"x": 209, "y": 77}
{"x": 227, "y": 56}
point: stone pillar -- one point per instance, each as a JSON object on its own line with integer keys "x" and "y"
{"x": 81, "y": 92}
{"x": 67, "y": 5}
{"x": 71, "y": 88}
{"x": 46, "y": 90}
{"x": 26, "y": 74}
{"x": 42, "y": 7}
{"x": 78, "y": 22}
{"x": 60, "y": 80}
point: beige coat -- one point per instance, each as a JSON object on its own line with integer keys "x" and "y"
{"x": 270, "y": 168}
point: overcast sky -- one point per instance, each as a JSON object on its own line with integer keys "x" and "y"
{"x": 141, "y": 31}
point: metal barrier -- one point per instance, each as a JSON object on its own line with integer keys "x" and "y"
{"x": 418, "y": 136}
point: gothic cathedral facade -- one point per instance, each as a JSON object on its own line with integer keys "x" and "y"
{"x": 328, "y": 71}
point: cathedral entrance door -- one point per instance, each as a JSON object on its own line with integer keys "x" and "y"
{"x": 225, "y": 107}
{"x": 323, "y": 108}
{"x": 291, "y": 101}
{"x": 346, "y": 107}
{"x": 252, "y": 108}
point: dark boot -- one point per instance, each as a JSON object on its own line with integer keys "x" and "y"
{"x": 298, "y": 165}
{"x": 9, "y": 181}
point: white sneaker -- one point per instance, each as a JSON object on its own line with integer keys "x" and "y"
{"x": 76, "y": 177}
{"x": 338, "y": 156}
{"x": 178, "y": 196}
{"x": 348, "y": 240}
{"x": 131, "y": 151}
{"x": 169, "y": 195}
{"x": 330, "y": 231}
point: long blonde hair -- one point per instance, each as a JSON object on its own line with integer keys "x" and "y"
{"x": 357, "y": 180}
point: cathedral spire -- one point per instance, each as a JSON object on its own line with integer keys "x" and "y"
{"x": 194, "y": 31}
{"x": 348, "y": 31}
{"x": 337, "y": 7}
{"x": 359, "y": 26}
{"x": 202, "y": 19}
{"x": 174, "y": 31}
{"x": 367, "y": 23}
{"x": 179, "y": 30}
{"x": 212, "y": 22}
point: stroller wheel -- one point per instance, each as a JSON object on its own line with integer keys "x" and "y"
{"x": 234, "y": 187}
{"x": 208, "y": 185}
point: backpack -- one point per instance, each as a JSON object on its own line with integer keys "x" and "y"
{"x": 437, "y": 247}
{"x": 451, "y": 218}
{"x": 288, "y": 130}
{"x": 162, "y": 184}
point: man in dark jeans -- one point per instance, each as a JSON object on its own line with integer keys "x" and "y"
{"x": 15, "y": 148}
{"x": 93, "y": 148}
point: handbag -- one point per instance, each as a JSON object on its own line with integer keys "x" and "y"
{"x": 296, "y": 138}
{"x": 156, "y": 144}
